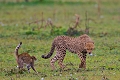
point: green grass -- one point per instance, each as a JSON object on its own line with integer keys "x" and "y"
{"x": 104, "y": 30}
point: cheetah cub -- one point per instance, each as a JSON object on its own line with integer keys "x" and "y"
{"x": 24, "y": 58}
{"x": 78, "y": 45}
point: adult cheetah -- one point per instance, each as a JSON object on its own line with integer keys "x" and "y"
{"x": 79, "y": 45}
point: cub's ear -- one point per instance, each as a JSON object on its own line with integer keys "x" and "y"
{"x": 33, "y": 57}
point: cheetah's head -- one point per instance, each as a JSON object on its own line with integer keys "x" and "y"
{"x": 89, "y": 46}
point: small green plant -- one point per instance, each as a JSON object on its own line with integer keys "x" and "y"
{"x": 30, "y": 33}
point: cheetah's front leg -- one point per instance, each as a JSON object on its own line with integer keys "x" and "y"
{"x": 83, "y": 60}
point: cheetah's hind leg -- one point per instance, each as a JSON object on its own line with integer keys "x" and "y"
{"x": 60, "y": 60}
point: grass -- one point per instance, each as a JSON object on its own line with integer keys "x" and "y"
{"x": 104, "y": 30}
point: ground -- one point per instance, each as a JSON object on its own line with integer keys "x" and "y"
{"x": 22, "y": 22}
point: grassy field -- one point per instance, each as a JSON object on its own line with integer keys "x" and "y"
{"x": 23, "y": 22}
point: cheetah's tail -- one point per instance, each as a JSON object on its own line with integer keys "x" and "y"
{"x": 50, "y": 53}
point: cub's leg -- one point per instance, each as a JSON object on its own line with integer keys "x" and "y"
{"x": 31, "y": 65}
{"x": 33, "y": 68}
{"x": 83, "y": 60}
{"x": 28, "y": 67}
{"x": 20, "y": 65}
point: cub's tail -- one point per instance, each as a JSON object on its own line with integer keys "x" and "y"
{"x": 50, "y": 53}
{"x": 16, "y": 50}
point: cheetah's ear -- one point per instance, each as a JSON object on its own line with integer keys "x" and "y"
{"x": 91, "y": 42}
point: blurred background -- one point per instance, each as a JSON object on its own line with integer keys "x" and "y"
{"x": 38, "y": 14}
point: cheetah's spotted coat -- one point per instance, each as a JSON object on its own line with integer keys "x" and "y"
{"x": 79, "y": 45}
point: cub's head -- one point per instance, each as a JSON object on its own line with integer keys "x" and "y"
{"x": 89, "y": 46}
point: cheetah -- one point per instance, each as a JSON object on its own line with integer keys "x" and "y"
{"x": 79, "y": 45}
